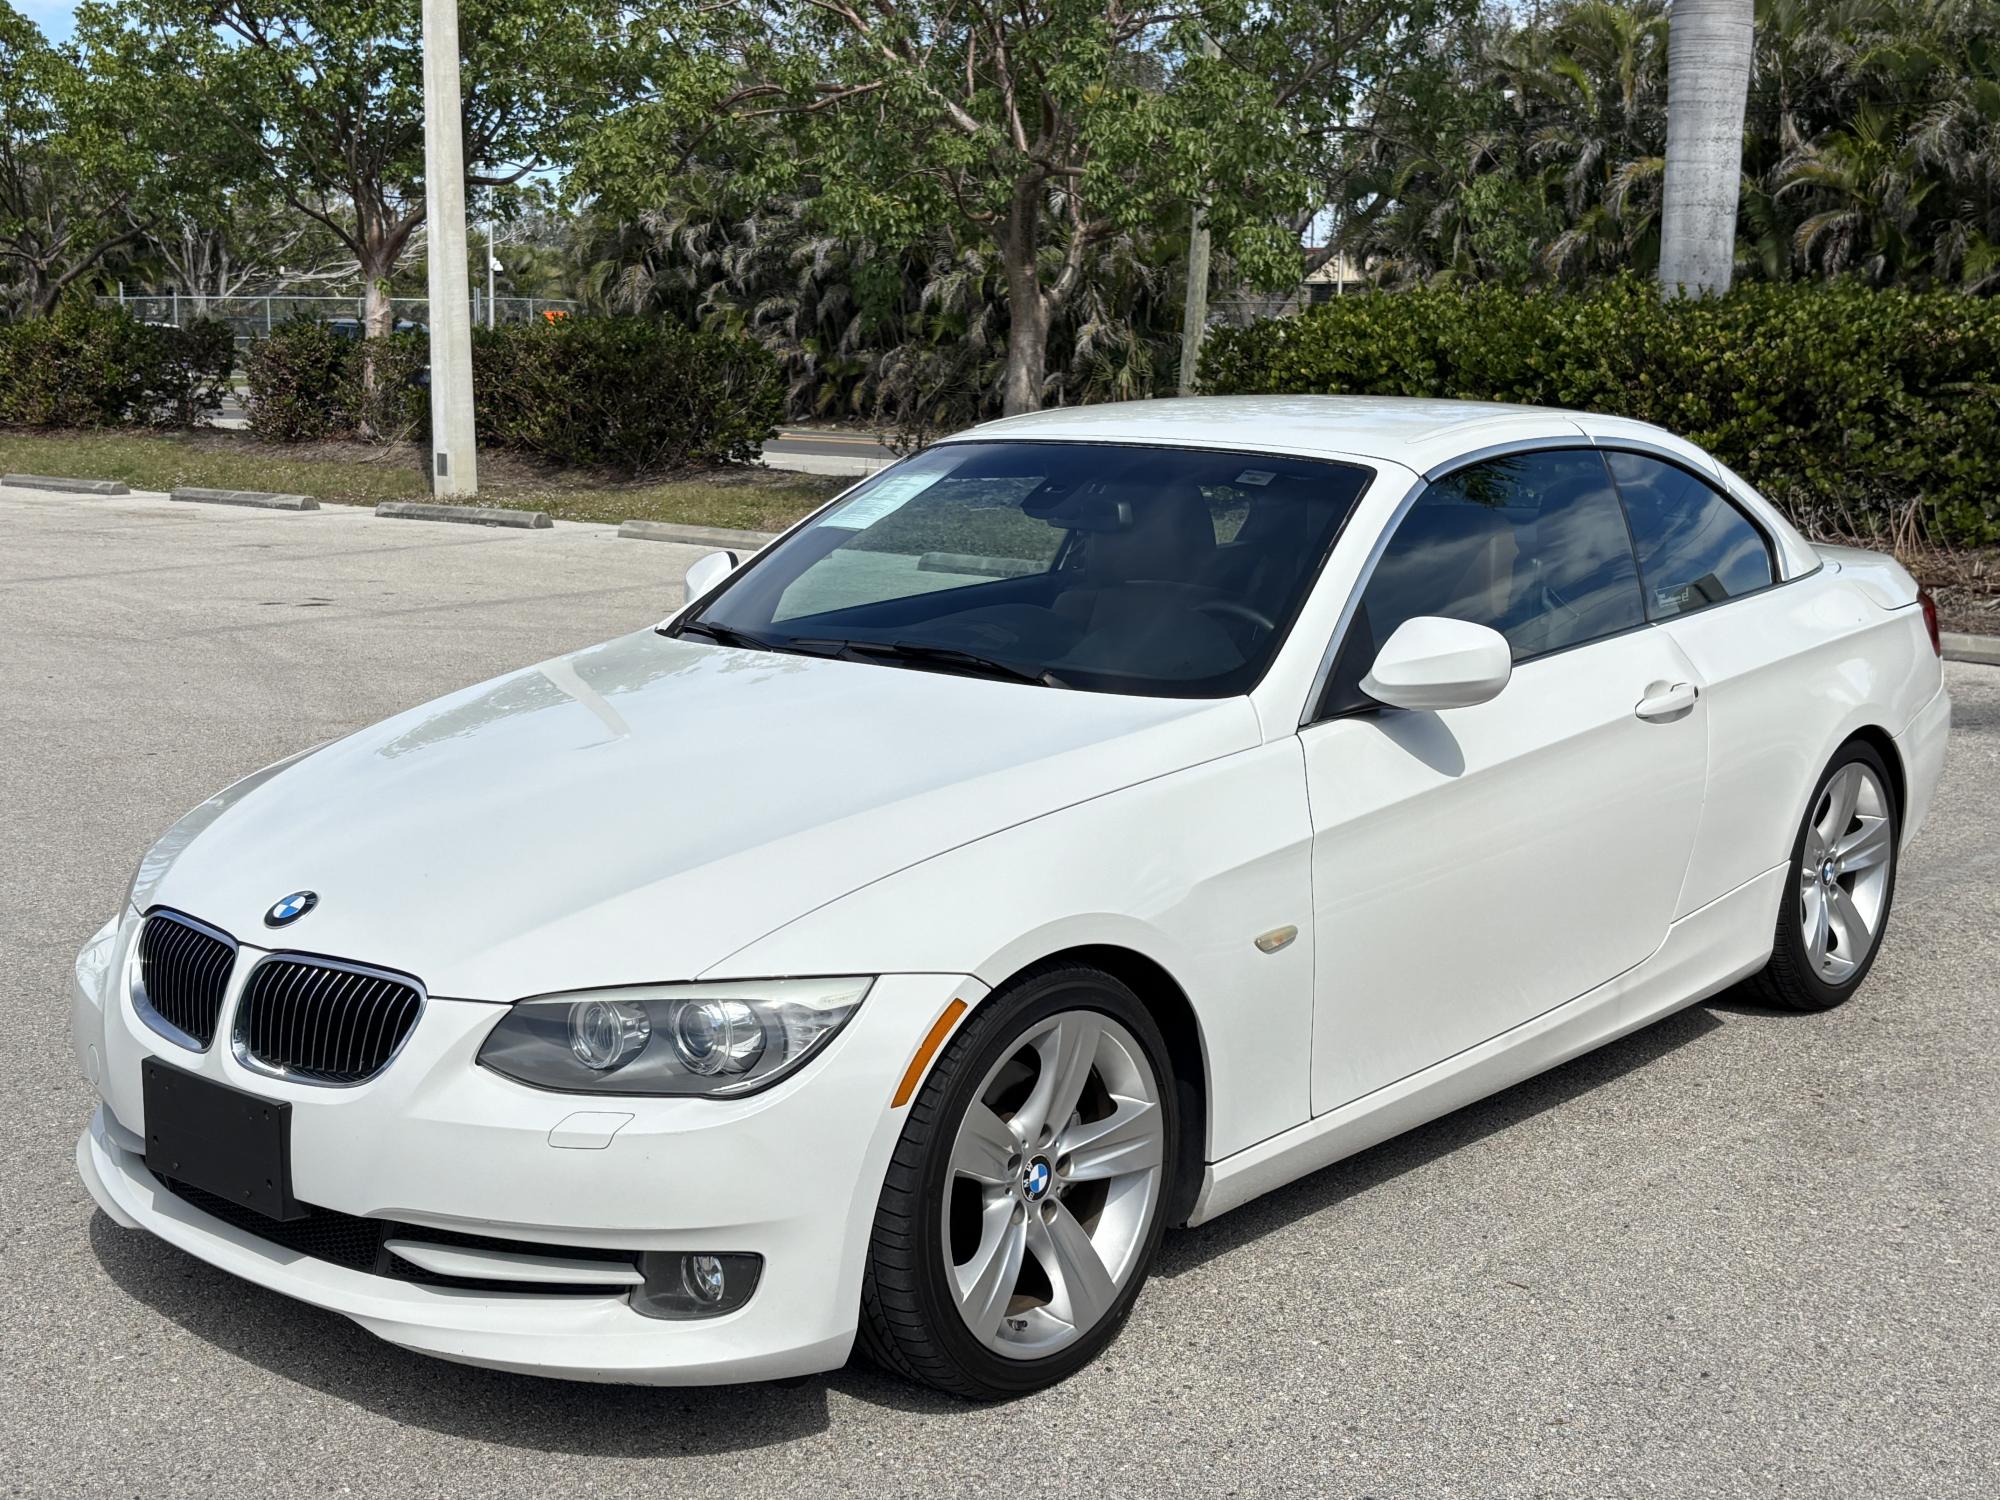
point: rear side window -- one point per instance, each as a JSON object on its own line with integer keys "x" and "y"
{"x": 1695, "y": 548}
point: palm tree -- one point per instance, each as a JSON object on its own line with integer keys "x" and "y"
{"x": 1709, "y": 46}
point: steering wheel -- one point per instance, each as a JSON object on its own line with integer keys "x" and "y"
{"x": 1238, "y": 610}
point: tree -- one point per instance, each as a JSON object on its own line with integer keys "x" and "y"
{"x": 1709, "y": 45}
{"x": 325, "y": 100}
{"x": 77, "y": 171}
{"x": 1038, "y": 133}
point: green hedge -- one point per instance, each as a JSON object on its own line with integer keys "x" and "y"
{"x": 92, "y": 366}
{"x": 633, "y": 394}
{"x": 1847, "y": 406}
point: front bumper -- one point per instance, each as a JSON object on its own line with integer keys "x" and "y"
{"x": 792, "y": 1175}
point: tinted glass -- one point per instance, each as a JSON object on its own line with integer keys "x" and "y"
{"x": 1533, "y": 545}
{"x": 1092, "y": 566}
{"x": 1695, "y": 548}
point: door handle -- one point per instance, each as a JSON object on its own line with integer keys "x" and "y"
{"x": 1663, "y": 703}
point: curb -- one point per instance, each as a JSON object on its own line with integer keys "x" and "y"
{"x": 471, "y": 515}
{"x": 67, "y": 486}
{"x": 826, "y": 465}
{"x": 262, "y": 498}
{"x": 695, "y": 536}
{"x": 1983, "y": 650}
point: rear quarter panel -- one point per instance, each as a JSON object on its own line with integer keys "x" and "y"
{"x": 1789, "y": 674}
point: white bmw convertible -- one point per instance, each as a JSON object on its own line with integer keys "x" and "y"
{"x": 1076, "y": 830}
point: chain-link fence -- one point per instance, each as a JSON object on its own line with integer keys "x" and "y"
{"x": 254, "y": 317}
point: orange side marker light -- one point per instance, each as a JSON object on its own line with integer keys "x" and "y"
{"x": 940, "y": 1029}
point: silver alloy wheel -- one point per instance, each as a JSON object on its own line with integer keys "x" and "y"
{"x": 1055, "y": 1176}
{"x": 1844, "y": 872}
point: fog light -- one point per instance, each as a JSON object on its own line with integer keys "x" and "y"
{"x": 702, "y": 1285}
{"x": 703, "y": 1278}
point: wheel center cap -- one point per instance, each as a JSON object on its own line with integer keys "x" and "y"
{"x": 1827, "y": 873}
{"x": 1036, "y": 1179}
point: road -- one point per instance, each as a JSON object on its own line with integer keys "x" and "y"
{"x": 1738, "y": 1253}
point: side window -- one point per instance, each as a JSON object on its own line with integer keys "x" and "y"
{"x": 1695, "y": 547}
{"x": 1532, "y": 544}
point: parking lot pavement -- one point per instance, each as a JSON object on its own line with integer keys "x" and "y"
{"x": 1738, "y": 1253}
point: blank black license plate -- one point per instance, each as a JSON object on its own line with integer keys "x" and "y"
{"x": 220, "y": 1140}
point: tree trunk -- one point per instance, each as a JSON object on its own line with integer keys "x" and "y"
{"x": 1027, "y": 303}
{"x": 1708, "y": 79}
{"x": 378, "y": 320}
{"x": 378, "y": 315}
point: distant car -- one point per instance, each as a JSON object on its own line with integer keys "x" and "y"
{"x": 1080, "y": 828}
{"x": 352, "y": 328}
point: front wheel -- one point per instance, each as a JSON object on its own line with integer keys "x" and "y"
{"x": 1843, "y": 879}
{"x": 1024, "y": 1202}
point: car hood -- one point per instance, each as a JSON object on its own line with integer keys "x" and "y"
{"x": 640, "y": 810}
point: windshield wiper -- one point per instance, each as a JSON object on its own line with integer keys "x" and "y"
{"x": 727, "y": 635}
{"x": 941, "y": 656}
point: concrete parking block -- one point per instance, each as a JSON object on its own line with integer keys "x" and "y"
{"x": 696, "y": 536}
{"x": 470, "y": 515}
{"x": 66, "y": 486}
{"x": 263, "y": 499}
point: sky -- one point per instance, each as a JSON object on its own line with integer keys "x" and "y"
{"x": 55, "y": 17}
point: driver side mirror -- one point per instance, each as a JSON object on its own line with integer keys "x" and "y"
{"x": 1431, "y": 662}
{"x": 705, "y": 572}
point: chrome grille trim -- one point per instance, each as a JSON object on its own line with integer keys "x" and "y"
{"x": 323, "y": 1021}
{"x": 179, "y": 975}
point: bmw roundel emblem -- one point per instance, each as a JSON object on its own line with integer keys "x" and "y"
{"x": 291, "y": 908}
{"x": 1036, "y": 1178}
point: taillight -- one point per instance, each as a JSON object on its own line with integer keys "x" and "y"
{"x": 1929, "y": 606}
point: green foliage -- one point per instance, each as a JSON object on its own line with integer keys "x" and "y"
{"x": 189, "y": 370}
{"x": 1847, "y": 406}
{"x": 304, "y": 383}
{"x": 912, "y": 341}
{"x": 633, "y": 394}
{"x": 86, "y": 161}
{"x": 91, "y": 366}
{"x": 1029, "y": 138}
{"x": 1871, "y": 146}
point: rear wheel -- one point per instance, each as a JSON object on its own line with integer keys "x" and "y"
{"x": 1843, "y": 880}
{"x": 1024, "y": 1202}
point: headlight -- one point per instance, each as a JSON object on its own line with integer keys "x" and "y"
{"x": 720, "y": 1040}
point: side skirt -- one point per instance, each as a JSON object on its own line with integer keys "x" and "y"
{"x": 1706, "y": 951}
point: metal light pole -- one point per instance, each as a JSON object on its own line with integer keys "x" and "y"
{"x": 492, "y": 265}
{"x": 454, "y": 468}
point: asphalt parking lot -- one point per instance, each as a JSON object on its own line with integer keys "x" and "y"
{"x": 1739, "y": 1253}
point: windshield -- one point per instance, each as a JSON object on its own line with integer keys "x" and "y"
{"x": 1160, "y": 571}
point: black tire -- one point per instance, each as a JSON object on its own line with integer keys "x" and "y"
{"x": 1789, "y": 981}
{"x": 910, "y": 1323}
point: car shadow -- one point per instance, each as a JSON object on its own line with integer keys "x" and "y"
{"x": 327, "y": 1353}
{"x": 1191, "y": 1249}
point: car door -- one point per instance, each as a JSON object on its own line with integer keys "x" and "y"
{"x": 1475, "y": 867}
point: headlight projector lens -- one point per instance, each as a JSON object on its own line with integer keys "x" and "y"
{"x": 718, "y": 1036}
{"x": 604, "y": 1033}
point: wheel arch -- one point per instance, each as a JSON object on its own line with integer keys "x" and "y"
{"x": 1167, "y": 1000}
{"x": 1878, "y": 739}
